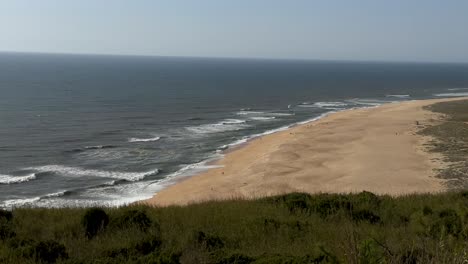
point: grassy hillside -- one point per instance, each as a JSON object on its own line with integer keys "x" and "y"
{"x": 296, "y": 228}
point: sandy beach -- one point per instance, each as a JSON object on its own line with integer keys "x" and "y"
{"x": 372, "y": 149}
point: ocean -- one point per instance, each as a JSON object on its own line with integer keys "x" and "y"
{"x": 89, "y": 130}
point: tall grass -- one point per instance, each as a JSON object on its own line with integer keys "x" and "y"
{"x": 293, "y": 228}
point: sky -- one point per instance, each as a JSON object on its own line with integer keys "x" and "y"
{"x": 368, "y": 30}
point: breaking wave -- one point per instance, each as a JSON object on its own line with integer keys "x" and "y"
{"x": 222, "y": 126}
{"x": 8, "y": 179}
{"x": 451, "y": 94}
{"x": 75, "y": 171}
{"x": 133, "y": 140}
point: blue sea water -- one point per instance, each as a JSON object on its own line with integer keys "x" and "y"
{"x": 82, "y": 130}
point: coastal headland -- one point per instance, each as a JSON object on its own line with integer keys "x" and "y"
{"x": 368, "y": 149}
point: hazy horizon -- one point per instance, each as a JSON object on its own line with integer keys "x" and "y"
{"x": 397, "y": 31}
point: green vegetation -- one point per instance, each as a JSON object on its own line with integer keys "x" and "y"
{"x": 451, "y": 140}
{"x": 293, "y": 228}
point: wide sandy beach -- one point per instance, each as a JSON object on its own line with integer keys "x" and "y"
{"x": 372, "y": 149}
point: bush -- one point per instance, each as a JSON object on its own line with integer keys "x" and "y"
{"x": 5, "y": 215}
{"x": 137, "y": 218}
{"x": 331, "y": 205}
{"x": 148, "y": 246}
{"x": 365, "y": 215}
{"x": 50, "y": 251}
{"x": 6, "y": 231}
{"x": 236, "y": 259}
{"x": 210, "y": 242}
{"x": 427, "y": 210}
{"x": 449, "y": 223}
{"x": 94, "y": 220}
{"x": 296, "y": 202}
{"x": 368, "y": 199}
{"x": 44, "y": 252}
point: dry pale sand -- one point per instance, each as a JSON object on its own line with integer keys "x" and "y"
{"x": 375, "y": 149}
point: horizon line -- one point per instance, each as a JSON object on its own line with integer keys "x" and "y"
{"x": 231, "y": 58}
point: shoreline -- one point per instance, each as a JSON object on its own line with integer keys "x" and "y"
{"x": 324, "y": 154}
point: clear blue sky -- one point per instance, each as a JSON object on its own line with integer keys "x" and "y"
{"x": 396, "y": 30}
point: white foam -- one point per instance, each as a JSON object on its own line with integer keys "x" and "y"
{"x": 398, "y": 95}
{"x": 133, "y": 140}
{"x": 245, "y": 112}
{"x": 19, "y": 202}
{"x": 8, "y": 179}
{"x": 80, "y": 172}
{"x": 457, "y": 89}
{"x": 330, "y": 104}
{"x": 451, "y": 94}
{"x": 262, "y": 118}
{"x": 222, "y": 126}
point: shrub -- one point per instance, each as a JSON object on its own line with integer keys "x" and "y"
{"x": 368, "y": 199}
{"x": 427, "y": 210}
{"x": 279, "y": 259}
{"x": 147, "y": 246}
{"x": 137, "y": 218}
{"x": 370, "y": 252}
{"x": 210, "y": 242}
{"x": 449, "y": 223}
{"x": 296, "y": 201}
{"x": 44, "y": 252}
{"x": 6, "y": 231}
{"x": 94, "y": 220}
{"x": 365, "y": 215}
{"x": 50, "y": 251}
{"x": 331, "y": 205}
{"x": 236, "y": 259}
{"x": 6, "y": 215}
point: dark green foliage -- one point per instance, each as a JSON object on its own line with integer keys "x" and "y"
{"x": 281, "y": 259}
{"x": 365, "y": 215}
{"x": 236, "y": 259}
{"x": 6, "y": 227}
{"x": 370, "y": 252}
{"x": 6, "y": 231}
{"x": 427, "y": 210}
{"x": 296, "y": 202}
{"x": 148, "y": 246}
{"x": 368, "y": 199}
{"x": 448, "y": 223}
{"x": 93, "y": 221}
{"x": 136, "y": 218}
{"x": 210, "y": 242}
{"x": 5, "y": 215}
{"x": 43, "y": 251}
{"x": 330, "y": 205}
{"x": 354, "y": 228}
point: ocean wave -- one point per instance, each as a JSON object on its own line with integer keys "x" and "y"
{"x": 262, "y": 118}
{"x": 451, "y": 94}
{"x": 80, "y": 172}
{"x": 9, "y": 179}
{"x": 19, "y": 202}
{"x": 456, "y": 89}
{"x": 249, "y": 112}
{"x": 323, "y": 105}
{"x": 369, "y": 102}
{"x": 398, "y": 95}
{"x": 99, "y": 147}
{"x": 222, "y": 126}
{"x": 133, "y": 140}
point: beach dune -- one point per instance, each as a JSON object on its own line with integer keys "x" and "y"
{"x": 372, "y": 149}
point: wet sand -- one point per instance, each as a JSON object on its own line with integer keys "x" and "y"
{"x": 373, "y": 149}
